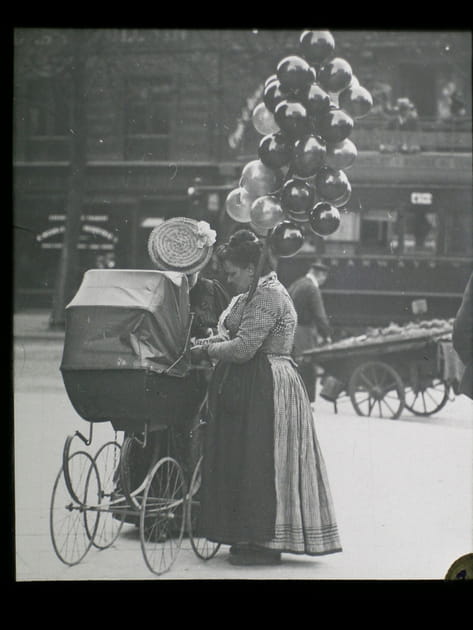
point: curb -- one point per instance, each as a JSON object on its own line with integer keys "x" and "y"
{"x": 38, "y": 337}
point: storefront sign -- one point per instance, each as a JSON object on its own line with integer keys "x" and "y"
{"x": 91, "y": 237}
{"x": 421, "y": 198}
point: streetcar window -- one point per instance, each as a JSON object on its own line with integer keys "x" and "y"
{"x": 378, "y": 231}
{"x": 458, "y": 230}
{"x": 420, "y": 231}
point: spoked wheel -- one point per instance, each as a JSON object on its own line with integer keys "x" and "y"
{"x": 162, "y": 517}
{"x": 110, "y": 522}
{"x": 427, "y": 398}
{"x": 203, "y": 548}
{"x": 72, "y": 526}
{"x": 66, "y": 458}
{"x": 376, "y": 387}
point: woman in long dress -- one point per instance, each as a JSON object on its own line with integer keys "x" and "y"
{"x": 265, "y": 488}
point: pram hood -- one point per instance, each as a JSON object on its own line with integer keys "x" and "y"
{"x": 122, "y": 319}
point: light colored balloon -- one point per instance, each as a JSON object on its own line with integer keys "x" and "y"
{"x": 259, "y": 230}
{"x": 238, "y": 205}
{"x": 356, "y": 101}
{"x": 260, "y": 180}
{"x": 341, "y": 156}
{"x": 263, "y": 120}
{"x": 266, "y": 212}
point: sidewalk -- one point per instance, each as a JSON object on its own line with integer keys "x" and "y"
{"x": 34, "y": 325}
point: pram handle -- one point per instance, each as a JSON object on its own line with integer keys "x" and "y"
{"x": 186, "y": 344}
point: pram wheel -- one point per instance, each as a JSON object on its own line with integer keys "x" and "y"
{"x": 162, "y": 516}
{"x": 112, "y": 518}
{"x": 128, "y": 483}
{"x": 68, "y": 474}
{"x": 203, "y": 548}
{"x": 72, "y": 526}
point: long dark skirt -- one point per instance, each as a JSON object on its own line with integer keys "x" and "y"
{"x": 238, "y": 485}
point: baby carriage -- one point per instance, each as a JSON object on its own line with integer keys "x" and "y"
{"x": 126, "y": 361}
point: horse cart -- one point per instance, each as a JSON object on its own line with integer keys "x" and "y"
{"x": 126, "y": 362}
{"x": 383, "y": 374}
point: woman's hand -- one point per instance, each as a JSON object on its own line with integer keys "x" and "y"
{"x": 199, "y": 354}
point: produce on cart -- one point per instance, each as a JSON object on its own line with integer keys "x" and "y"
{"x": 386, "y": 370}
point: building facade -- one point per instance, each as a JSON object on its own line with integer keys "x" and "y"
{"x": 168, "y": 130}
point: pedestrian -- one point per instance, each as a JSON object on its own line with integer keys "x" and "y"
{"x": 462, "y": 338}
{"x": 265, "y": 489}
{"x": 406, "y": 118}
{"x": 313, "y": 326}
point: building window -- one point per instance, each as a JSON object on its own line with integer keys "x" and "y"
{"x": 149, "y": 104}
{"x": 49, "y": 113}
{"x": 458, "y": 230}
{"x": 49, "y": 108}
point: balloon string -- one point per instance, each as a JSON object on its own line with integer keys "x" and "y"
{"x": 259, "y": 268}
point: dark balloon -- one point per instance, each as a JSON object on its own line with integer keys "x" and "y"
{"x": 331, "y": 184}
{"x": 297, "y": 196}
{"x": 324, "y": 218}
{"x": 317, "y": 46}
{"x": 341, "y": 155}
{"x": 308, "y": 156}
{"x": 343, "y": 200}
{"x": 275, "y": 150}
{"x": 291, "y": 116}
{"x": 335, "y": 126}
{"x": 298, "y": 217}
{"x": 356, "y": 101}
{"x": 270, "y": 79}
{"x": 335, "y": 75}
{"x": 272, "y": 95}
{"x": 316, "y": 101}
{"x": 294, "y": 73}
{"x": 286, "y": 239}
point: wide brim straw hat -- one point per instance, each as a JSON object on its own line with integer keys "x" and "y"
{"x": 181, "y": 244}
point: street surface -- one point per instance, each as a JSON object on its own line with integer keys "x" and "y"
{"x": 402, "y": 490}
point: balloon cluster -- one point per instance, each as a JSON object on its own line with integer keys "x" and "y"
{"x": 306, "y": 116}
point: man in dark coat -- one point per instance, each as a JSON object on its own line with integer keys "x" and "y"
{"x": 463, "y": 338}
{"x": 313, "y": 327}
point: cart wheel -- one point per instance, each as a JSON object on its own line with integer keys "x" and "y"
{"x": 162, "y": 516}
{"x": 427, "y": 399}
{"x": 71, "y": 525}
{"x": 376, "y": 384}
{"x": 110, "y": 523}
{"x": 203, "y": 548}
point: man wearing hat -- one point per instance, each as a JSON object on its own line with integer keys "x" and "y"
{"x": 313, "y": 326}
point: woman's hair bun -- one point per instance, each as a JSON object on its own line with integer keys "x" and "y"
{"x": 242, "y": 236}
{"x": 242, "y": 248}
